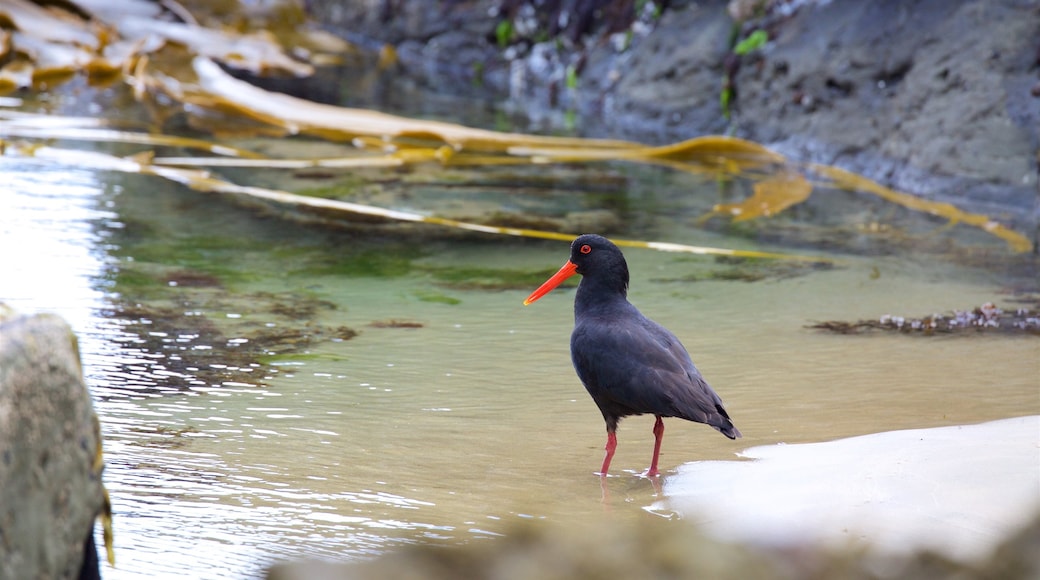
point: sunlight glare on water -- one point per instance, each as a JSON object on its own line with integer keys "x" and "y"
{"x": 50, "y": 217}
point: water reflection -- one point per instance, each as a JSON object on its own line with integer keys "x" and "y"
{"x": 50, "y": 218}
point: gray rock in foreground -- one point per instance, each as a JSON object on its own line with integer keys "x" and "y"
{"x": 49, "y": 490}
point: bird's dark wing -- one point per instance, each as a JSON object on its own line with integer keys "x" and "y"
{"x": 632, "y": 365}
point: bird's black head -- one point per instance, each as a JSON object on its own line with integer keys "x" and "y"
{"x": 600, "y": 262}
{"x": 603, "y": 269}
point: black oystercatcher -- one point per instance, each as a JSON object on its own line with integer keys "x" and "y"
{"x": 628, "y": 363}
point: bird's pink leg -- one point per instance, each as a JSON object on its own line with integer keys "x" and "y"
{"x": 611, "y": 446}
{"x": 658, "y": 435}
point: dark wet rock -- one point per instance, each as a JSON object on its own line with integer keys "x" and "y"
{"x": 50, "y": 483}
{"x": 931, "y": 97}
{"x": 986, "y": 318}
{"x": 927, "y": 96}
{"x": 189, "y": 278}
{"x": 201, "y": 335}
{"x": 394, "y": 323}
{"x": 666, "y": 87}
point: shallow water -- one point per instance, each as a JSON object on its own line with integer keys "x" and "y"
{"x": 222, "y": 459}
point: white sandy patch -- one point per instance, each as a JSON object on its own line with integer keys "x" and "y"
{"x": 958, "y": 490}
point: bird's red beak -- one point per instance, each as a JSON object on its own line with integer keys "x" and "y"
{"x": 568, "y": 270}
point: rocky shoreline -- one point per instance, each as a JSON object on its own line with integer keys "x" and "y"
{"x": 935, "y": 98}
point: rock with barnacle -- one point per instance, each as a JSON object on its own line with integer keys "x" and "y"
{"x": 987, "y": 317}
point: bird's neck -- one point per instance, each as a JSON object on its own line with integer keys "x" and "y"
{"x": 598, "y": 295}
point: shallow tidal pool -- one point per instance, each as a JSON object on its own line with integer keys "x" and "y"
{"x": 270, "y": 390}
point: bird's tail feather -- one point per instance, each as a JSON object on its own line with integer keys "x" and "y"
{"x": 723, "y": 423}
{"x": 729, "y": 430}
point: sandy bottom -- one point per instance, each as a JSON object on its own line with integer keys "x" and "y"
{"x": 956, "y": 490}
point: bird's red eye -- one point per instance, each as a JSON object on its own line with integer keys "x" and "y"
{"x": 585, "y": 249}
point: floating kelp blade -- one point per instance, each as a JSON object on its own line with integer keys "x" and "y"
{"x": 60, "y": 43}
{"x": 329, "y": 163}
{"x": 203, "y": 181}
{"x": 50, "y": 25}
{"x": 216, "y": 88}
{"x": 38, "y": 121}
{"x": 106, "y": 503}
{"x": 10, "y": 129}
{"x": 712, "y": 153}
{"x": 847, "y": 180}
{"x": 206, "y": 183}
{"x": 171, "y": 65}
{"x": 48, "y": 46}
{"x": 253, "y": 52}
{"x": 705, "y": 250}
{"x": 771, "y": 196}
{"x": 709, "y": 153}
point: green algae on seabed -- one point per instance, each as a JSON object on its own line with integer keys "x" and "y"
{"x": 435, "y": 297}
{"x": 390, "y": 261}
{"x": 345, "y": 186}
{"x": 198, "y": 254}
{"x": 134, "y": 281}
{"x": 744, "y": 269}
{"x": 473, "y": 278}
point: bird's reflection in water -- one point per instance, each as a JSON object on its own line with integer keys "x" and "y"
{"x": 639, "y": 481}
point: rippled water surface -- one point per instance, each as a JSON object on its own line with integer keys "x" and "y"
{"x": 270, "y": 390}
